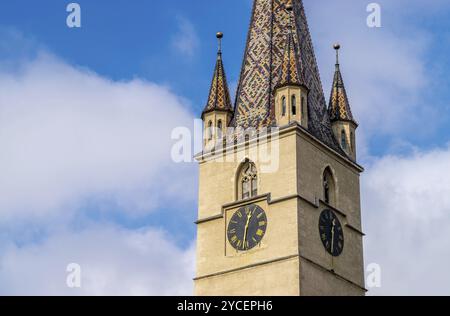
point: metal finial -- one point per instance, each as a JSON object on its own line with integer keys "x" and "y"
{"x": 337, "y": 47}
{"x": 219, "y": 36}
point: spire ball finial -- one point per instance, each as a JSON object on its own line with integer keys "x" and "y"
{"x": 219, "y": 36}
{"x": 337, "y": 46}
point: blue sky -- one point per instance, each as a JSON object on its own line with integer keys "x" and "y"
{"x": 123, "y": 40}
{"x": 140, "y": 68}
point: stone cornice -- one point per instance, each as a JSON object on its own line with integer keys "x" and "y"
{"x": 283, "y": 131}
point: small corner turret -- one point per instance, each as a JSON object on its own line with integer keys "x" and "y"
{"x": 291, "y": 92}
{"x": 343, "y": 124}
{"x": 218, "y": 111}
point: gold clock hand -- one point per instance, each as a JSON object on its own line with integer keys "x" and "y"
{"x": 249, "y": 217}
{"x": 332, "y": 236}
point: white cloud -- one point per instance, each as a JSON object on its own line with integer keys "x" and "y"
{"x": 113, "y": 261}
{"x": 406, "y": 201}
{"x": 69, "y": 137}
{"x": 68, "y": 134}
{"x": 185, "y": 41}
{"x": 406, "y": 208}
{"x": 385, "y": 69}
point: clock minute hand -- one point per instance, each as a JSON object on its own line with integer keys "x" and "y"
{"x": 249, "y": 217}
{"x": 332, "y": 236}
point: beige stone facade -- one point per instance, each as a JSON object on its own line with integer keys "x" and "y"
{"x": 291, "y": 259}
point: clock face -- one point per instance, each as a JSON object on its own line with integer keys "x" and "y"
{"x": 331, "y": 233}
{"x": 247, "y": 227}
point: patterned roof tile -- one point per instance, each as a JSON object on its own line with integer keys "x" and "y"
{"x": 339, "y": 108}
{"x": 260, "y": 73}
{"x": 219, "y": 94}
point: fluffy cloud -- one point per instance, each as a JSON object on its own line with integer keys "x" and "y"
{"x": 113, "y": 261}
{"x": 68, "y": 134}
{"x": 186, "y": 40}
{"x": 406, "y": 205}
{"x": 74, "y": 142}
{"x": 386, "y": 70}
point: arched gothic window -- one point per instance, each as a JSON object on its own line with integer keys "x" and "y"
{"x": 210, "y": 132}
{"x": 248, "y": 181}
{"x": 219, "y": 129}
{"x": 329, "y": 187}
{"x": 283, "y": 106}
{"x": 294, "y": 105}
{"x": 344, "y": 140}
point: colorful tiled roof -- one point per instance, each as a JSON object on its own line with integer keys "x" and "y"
{"x": 219, "y": 94}
{"x": 261, "y": 73}
{"x": 291, "y": 70}
{"x": 339, "y": 108}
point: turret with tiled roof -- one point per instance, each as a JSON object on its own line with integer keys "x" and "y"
{"x": 291, "y": 70}
{"x": 218, "y": 111}
{"x": 342, "y": 121}
{"x": 255, "y": 104}
{"x": 291, "y": 92}
{"x": 219, "y": 94}
{"x": 339, "y": 107}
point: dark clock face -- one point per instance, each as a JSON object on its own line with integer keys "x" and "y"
{"x": 247, "y": 227}
{"x": 331, "y": 233}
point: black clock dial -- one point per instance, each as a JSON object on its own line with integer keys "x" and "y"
{"x": 331, "y": 233}
{"x": 247, "y": 227}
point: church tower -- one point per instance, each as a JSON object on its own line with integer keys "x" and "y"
{"x": 290, "y": 224}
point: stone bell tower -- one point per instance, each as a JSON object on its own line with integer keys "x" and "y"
{"x": 294, "y": 229}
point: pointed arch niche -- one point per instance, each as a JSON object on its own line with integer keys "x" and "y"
{"x": 246, "y": 181}
{"x": 329, "y": 187}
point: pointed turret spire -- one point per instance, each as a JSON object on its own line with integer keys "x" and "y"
{"x": 219, "y": 94}
{"x": 291, "y": 71}
{"x": 342, "y": 121}
{"x": 339, "y": 107}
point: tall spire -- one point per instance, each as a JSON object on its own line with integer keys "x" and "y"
{"x": 291, "y": 70}
{"x": 339, "y": 107}
{"x": 219, "y": 94}
{"x": 263, "y": 58}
